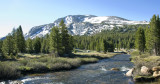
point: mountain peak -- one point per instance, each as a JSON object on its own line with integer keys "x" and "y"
{"x": 83, "y": 24}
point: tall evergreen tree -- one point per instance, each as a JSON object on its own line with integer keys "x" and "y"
{"x": 45, "y": 45}
{"x": 110, "y": 46}
{"x": 148, "y": 37}
{"x": 29, "y": 45}
{"x": 1, "y": 42}
{"x": 9, "y": 49}
{"x": 154, "y": 35}
{"x": 20, "y": 41}
{"x": 140, "y": 39}
{"x": 37, "y": 45}
{"x": 97, "y": 46}
{"x": 71, "y": 43}
{"x": 105, "y": 46}
{"x": 55, "y": 41}
{"x": 65, "y": 38}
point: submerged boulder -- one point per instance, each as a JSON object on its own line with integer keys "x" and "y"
{"x": 114, "y": 69}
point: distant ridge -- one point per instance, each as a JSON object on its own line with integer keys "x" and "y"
{"x": 83, "y": 25}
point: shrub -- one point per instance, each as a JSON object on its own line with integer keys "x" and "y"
{"x": 8, "y": 72}
{"x": 37, "y": 66}
{"x": 135, "y": 53}
{"x": 74, "y": 62}
{"x": 59, "y": 66}
{"x": 25, "y": 68}
{"x": 144, "y": 55}
{"x": 63, "y": 63}
{"x": 24, "y": 61}
{"x": 44, "y": 59}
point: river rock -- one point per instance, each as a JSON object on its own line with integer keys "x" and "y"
{"x": 130, "y": 72}
{"x": 114, "y": 69}
{"x": 17, "y": 82}
{"x": 157, "y": 68}
{"x": 156, "y": 73}
{"x": 145, "y": 70}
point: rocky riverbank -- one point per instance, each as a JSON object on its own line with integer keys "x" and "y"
{"x": 146, "y": 67}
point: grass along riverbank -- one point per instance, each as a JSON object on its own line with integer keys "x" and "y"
{"x": 41, "y": 63}
{"x": 149, "y": 62}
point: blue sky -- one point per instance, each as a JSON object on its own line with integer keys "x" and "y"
{"x": 29, "y": 13}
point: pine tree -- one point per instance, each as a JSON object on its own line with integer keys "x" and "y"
{"x": 14, "y": 37}
{"x": 9, "y": 49}
{"x": 128, "y": 45}
{"x": 110, "y": 46}
{"x": 158, "y": 35}
{"x": 29, "y": 45}
{"x": 101, "y": 45}
{"x": 91, "y": 45}
{"x": 105, "y": 46}
{"x": 97, "y": 46}
{"x": 65, "y": 38}
{"x": 37, "y": 45}
{"x": 148, "y": 37}
{"x": 1, "y": 42}
{"x": 45, "y": 45}
{"x": 119, "y": 44}
{"x": 19, "y": 38}
{"x": 71, "y": 43}
{"x": 140, "y": 39}
{"x": 154, "y": 35}
{"x": 117, "y": 47}
{"x": 55, "y": 41}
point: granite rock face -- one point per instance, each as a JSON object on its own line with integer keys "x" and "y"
{"x": 83, "y": 25}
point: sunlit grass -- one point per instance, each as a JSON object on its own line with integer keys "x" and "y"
{"x": 94, "y": 53}
{"x": 31, "y": 63}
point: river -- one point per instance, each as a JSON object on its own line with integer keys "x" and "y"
{"x": 95, "y": 73}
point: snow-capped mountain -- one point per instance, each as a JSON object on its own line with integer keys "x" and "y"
{"x": 83, "y": 24}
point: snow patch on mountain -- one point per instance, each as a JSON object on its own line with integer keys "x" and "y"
{"x": 95, "y": 19}
{"x": 83, "y": 24}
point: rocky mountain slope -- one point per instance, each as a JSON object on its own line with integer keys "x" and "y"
{"x": 83, "y": 24}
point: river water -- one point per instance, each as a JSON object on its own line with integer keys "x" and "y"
{"x": 95, "y": 73}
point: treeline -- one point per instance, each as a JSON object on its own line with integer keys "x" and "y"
{"x": 108, "y": 40}
{"x": 148, "y": 38}
{"x": 13, "y": 44}
{"x": 57, "y": 43}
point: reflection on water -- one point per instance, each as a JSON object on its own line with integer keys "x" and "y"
{"x": 96, "y": 73}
